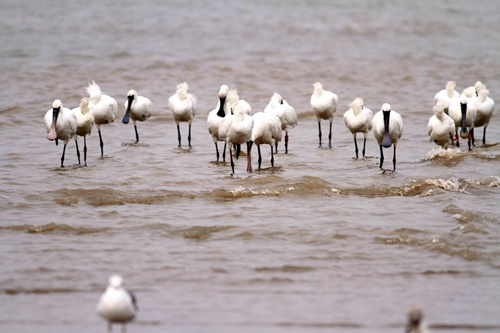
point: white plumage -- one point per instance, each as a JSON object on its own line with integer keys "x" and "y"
{"x": 138, "y": 108}
{"x": 116, "y": 304}
{"x": 358, "y": 119}
{"x": 103, "y": 107}
{"x": 324, "y": 104}
{"x": 441, "y": 127}
{"x": 387, "y": 127}
{"x": 215, "y": 118}
{"x": 444, "y": 96}
{"x": 484, "y": 110}
{"x": 285, "y": 113}
{"x": 85, "y": 122}
{"x": 61, "y": 124}
{"x": 473, "y": 91}
{"x": 266, "y": 130}
{"x": 463, "y": 112}
{"x": 240, "y": 131}
{"x": 182, "y": 104}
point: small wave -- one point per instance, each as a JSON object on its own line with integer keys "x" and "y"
{"x": 445, "y": 157}
{"x": 109, "y": 197}
{"x": 416, "y": 188}
{"x": 305, "y": 186}
{"x": 203, "y": 232}
{"x": 39, "y": 291}
{"x": 285, "y": 269}
{"x": 472, "y": 221}
{"x": 53, "y": 228}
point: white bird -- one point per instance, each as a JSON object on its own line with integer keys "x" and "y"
{"x": 387, "y": 127}
{"x": 266, "y": 130}
{"x": 415, "y": 322}
{"x": 484, "y": 110}
{"x": 85, "y": 122}
{"x": 61, "y": 124}
{"x": 231, "y": 99}
{"x": 240, "y": 131}
{"x": 182, "y": 104}
{"x": 441, "y": 127}
{"x": 138, "y": 108}
{"x": 444, "y": 96}
{"x": 463, "y": 112}
{"x": 286, "y": 114}
{"x": 215, "y": 118}
{"x": 103, "y": 107}
{"x": 324, "y": 104}
{"x": 358, "y": 119}
{"x": 117, "y": 304}
{"x": 473, "y": 91}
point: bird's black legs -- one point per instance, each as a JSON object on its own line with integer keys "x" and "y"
{"x": 364, "y": 146}
{"x": 276, "y": 145}
{"x": 238, "y": 150}
{"x": 224, "y": 153}
{"x": 272, "y": 158}
{"x": 319, "y": 130}
{"x": 101, "y": 143}
{"x": 217, "y": 151}
{"x": 381, "y": 157}
{"x": 394, "y": 159}
{"x": 473, "y": 139}
{"x": 260, "y": 156}
{"x": 77, "y": 151}
{"x": 189, "y": 136}
{"x": 136, "y": 134}
{"x": 355, "y": 145}
{"x": 62, "y": 157}
{"x": 249, "y": 157}
{"x": 286, "y": 144}
{"x": 231, "y": 157}
{"x": 484, "y": 135}
{"x": 330, "y": 136}
{"x": 85, "y": 150}
{"x": 179, "y": 134}
{"x": 470, "y": 138}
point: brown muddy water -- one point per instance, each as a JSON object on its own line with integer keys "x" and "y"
{"x": 322, "y": 242}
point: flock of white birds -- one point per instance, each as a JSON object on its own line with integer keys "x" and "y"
{"x": 232, "y": 122}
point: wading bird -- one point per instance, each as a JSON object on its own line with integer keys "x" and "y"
{"x": 61, "y": 124}
{"x": 387, "y": 127}
{"x": 117, "y": 305}
{"x": 182, "y": 104}
{"x": 138, "y": 108}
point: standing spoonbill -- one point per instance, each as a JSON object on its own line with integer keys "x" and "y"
{"x": 387, "y": 128}
{"x": 138, "y": 108}
{"x": 285, "y": 113}
{"x": 441, "y": 127}
{"x": 484, "y": 110}
{"x": 61, "y": 124}
{"x": 103, "y": 107}
{"x": 215, "y": 118}
{"x": 358, "y": 119}
{"x": 85, "y": 122}
{"x": 463, "y": 111}
{"x": 240, "y": 131}
{"x": 182, "y": 104}
{"x": 117, "y": 304}
{"x": 324, "y": 104}
{"x": 266, "y": 130}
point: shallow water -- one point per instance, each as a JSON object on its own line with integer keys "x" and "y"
{"x": 320, "y": 242}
